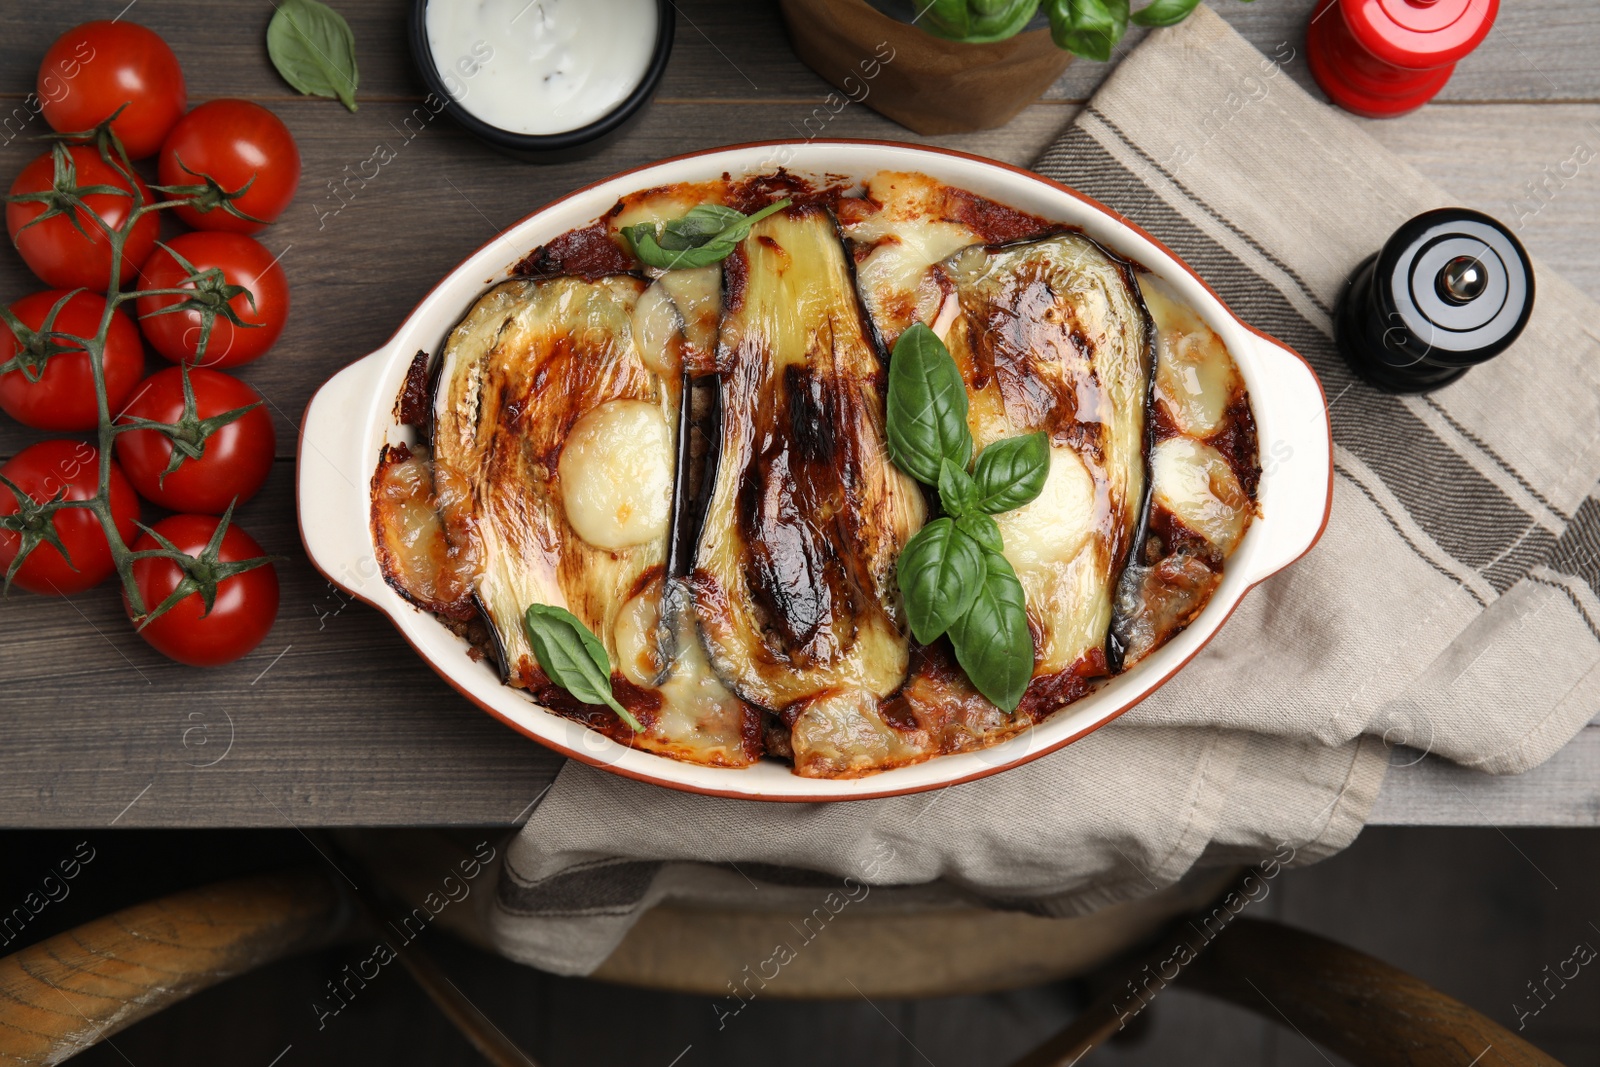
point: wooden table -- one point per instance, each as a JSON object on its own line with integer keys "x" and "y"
{"x": 333, "y": 720}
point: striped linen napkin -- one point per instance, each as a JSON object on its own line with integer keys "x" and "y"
{"x": 1451, "y": 603}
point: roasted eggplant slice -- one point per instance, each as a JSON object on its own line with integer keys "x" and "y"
{"x": 1204, "y": 469}
{"x": 554, "y": 457}
{"x": 905, "y": 225}
{"x": 794, "y": 576}
{"x": 412, "y": 549}
{"x": 1050, "y": 335}
{"x": 1053, "y": 335}
{"x": 535, "y": 380}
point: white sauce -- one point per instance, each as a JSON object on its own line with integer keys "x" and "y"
{"x": 541, "y": 66}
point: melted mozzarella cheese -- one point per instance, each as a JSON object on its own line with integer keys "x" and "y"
{"x": 637, "y": 638}
{"x": 1051, "y": 543}
{"x": 1195, "y": 376}
{"x": 1195, "y": 483}
{"x": 662, "y": 203}
{"x": 896, "y": 278}
{"x": 657, "y": 327}
{"x": 616, "y": 475}
{"x": 697, "y": 294}
{"x": 1054, "y": 525}
{"x": 841, "y": 734}
{"x": 697, "y": 711}
{"x": 697, "y": 716}
{"x": 680, "y": 309}
{"x": 907, "y": 235}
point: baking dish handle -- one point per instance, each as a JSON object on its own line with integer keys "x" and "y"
{"x": 333, "y": 472}
{"x": 1296, "y": 449}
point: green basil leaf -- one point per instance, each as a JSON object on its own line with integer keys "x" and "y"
{"x": 927, "y": 407}
{"x": 1011, "y": 472}
{"x": 1088, "y": 28}
{"x": 995, "y": 21}
{"x": 1119, "y": 18}
{"x": 311, "y": 45}
{"x": 958, "y": 493}
{"x": 1165, "y": 12}
{"x": 982, "y": 529}
{"x": 573, "y": 658}
{"x": 643, "y": 239}
{"x": 950, "y": 18}
{"x": 703, "y": 222}
{"x": 707, "y": 234}
{"x": 941, "y": 572}
{"x": 975, "y": 21}
{"x": 992, "y": 641}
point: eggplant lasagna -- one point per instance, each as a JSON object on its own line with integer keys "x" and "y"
{"x": 693, "y": 463}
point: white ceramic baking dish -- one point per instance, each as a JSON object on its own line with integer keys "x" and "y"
{"x": 353, "y": 415}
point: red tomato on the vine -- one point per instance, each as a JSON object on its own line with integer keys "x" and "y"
{"x": 98, "y": 67}
{"x": 63, "y": 396}
{"x": 245, "y": 605}
{"x": 54, "y": 249}
{"x": 70, "y": 469}
{"x": 235, "y": 459}
{"x": 243, "y": 261}
{"x": 235, "y": 142}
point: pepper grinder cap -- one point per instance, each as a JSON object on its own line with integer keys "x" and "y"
{"x": 1419, "y": 34}
{"x": 1458, "y": 282}
{"x": 1452, "y": 288}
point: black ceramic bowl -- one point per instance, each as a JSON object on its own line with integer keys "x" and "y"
{"x": 549, "y": 147}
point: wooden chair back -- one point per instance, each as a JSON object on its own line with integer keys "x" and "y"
{"x": 68, "y": 992}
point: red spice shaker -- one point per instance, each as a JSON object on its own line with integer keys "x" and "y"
{"x": 1381, "y": 58}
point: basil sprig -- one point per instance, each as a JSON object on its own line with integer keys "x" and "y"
{"x": 1089, "y": 28}
{"x": 976, "y": 21}
{"x": 953, "y": 578}
{"x": 573, "y": 658}
{"x": 1165, "y": 12}
{"x": 311, "y": 45}
{"x": 707, "y": 234}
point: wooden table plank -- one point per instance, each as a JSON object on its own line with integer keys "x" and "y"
{"x": 348, "y": 726}
{"x": 1524, "y": 164}
{"x": 331, "y": 720}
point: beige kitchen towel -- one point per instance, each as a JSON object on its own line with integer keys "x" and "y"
{"x": 1451, "y": 604}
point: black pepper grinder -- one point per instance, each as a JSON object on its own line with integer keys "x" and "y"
{"x": 1451, "y": 289}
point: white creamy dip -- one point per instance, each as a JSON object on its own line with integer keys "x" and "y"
{"x": 541, "y": 66}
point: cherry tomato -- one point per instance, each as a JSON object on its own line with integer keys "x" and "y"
{"x": 54, "y": 249}
{"x": 234, "y": 142}
{"x": 96, "y": 68}
{"x": 63, "y": 397}
{"x": 234, "y": 462}
{"x": 240, "y": 616}
{"x": 43, "y": 471}
{"x": 176, "y": 334}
